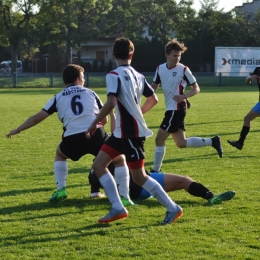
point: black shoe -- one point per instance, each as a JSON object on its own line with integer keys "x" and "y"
{"x": 236, "y": 144}
{"x": 153, "y": 171}
{"x": 216, "y": 143}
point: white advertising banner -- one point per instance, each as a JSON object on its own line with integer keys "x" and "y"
{"x": 236, "y": 61}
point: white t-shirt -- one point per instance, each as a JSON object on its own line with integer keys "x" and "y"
{"x": 76, "y": 106}
{"x": 128, "y": 86}
{"x": 173, "y": 82}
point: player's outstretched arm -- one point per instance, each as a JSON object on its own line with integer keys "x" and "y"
{"x": 30, "y": 122}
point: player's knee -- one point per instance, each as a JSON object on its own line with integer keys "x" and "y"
{"x": 188, "y": 178}
{"x": 181, "y": 144}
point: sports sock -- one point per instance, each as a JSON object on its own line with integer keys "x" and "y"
{"x": 198, "y": 190}
{"x": 108, "y": 183}
{"x": 156, "y": 190}
{"x": 198, "y": 142}
{"x": 158, "y": 157}
{"x": 60, "y": 173}
{"x": 122, "y": 179}
{"x": 245, "y": 130}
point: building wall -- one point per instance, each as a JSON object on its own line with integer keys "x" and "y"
{"x": 252, "y": 7}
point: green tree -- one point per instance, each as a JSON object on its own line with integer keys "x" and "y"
{"x": 70, "y": 23}
{"x": 15, "y": 18}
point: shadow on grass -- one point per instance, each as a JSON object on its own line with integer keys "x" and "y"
{"x": 76, "y": 203}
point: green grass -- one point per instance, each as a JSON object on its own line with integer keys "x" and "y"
{"x": 32, "y": 228}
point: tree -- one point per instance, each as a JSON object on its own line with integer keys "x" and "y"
{"x": 15, "y": 18}
{"x": 69, "y": 23}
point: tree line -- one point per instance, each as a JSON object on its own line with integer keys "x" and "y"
{"x": 31, "y": 28}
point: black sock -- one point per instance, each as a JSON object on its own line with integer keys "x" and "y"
{"x": 198, "y": 190}
{"x": 243, "y": 134}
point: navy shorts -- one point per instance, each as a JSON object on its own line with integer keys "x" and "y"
{"x": 132, "y": 148}
{"x": 173, "y": 121}
{"x": 77, "y": 145}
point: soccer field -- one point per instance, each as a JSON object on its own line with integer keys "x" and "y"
{"x": 32, "y": 228}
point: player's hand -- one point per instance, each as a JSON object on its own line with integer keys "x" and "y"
{"x": 179, "y": 98}
{"x": 13, "y": 132}
{"x": 91, "y": 130}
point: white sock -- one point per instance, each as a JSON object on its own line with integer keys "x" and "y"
{"x": 158, "y": 157}
{"x": 108, "y": 183}
{"x": 60, "y": 173}
{"x": 198, "y": 142}
{"x": 153, "y": 187}
{"x": 122, "y": 179}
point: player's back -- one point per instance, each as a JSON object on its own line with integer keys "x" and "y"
{"x": 77, "y": 107}
{"x": 128, "y": 85}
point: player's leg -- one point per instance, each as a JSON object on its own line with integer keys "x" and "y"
{"x": 60, "y": 174}
{"x": 122, "y": 179}
{"x": 164, "y": 131}
{"x": 253, "y": 113}
{"x": 100, "y": 167}
{"x": 182, "y": 142}
{"x": 160, "y": 149}
{"x": 174, "y": 182}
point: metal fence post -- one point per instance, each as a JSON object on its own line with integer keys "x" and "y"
{"x": 51, "y": 79}
{"x": 219, "y": 79}
{"x": 87, "y": 79}
{"x": 14, "y": 79}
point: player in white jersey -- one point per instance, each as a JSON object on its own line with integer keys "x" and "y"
{"x": 173, "y": 77}
{"x": 125, "y": 86}
{"x": 77, "y": 107}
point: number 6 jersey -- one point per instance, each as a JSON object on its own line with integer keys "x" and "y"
{"x": 76, "y": 106}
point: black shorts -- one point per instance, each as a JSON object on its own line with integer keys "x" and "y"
{"x": 173, "y": 121}
{"x": 132, "y": 148}
{"x": 75, "y": 146}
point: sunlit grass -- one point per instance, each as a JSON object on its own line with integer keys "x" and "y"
{"x": 32, "y": 228}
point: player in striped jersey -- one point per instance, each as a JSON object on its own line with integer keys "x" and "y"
{"x": 125, "y": 86}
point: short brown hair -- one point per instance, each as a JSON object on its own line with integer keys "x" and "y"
{"x": 70, "y": 73}
{"x": 175, "y": 45}
{"x": 122, "y": 48}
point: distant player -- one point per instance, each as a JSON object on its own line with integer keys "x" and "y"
{"x": 252, "y": 114}
{"x": 173, "y": 77}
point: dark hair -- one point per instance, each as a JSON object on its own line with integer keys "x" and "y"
{"x": 174, "y": 45}
{"x": 70, "y": 73}
{"x": 122, "y": 48}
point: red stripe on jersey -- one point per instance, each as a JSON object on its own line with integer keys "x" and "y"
{"x": 113, "y": 72}
{"x": 110, "y": 151}
{"x": 135, "y": 128}
{"x": 181, "y": 90}
{"x": 136, "y": 164}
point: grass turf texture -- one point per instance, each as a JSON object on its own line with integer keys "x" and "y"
{"x": 32, "y": 228}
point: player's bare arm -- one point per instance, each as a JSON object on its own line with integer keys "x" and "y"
{"x": 106, "y": 109}
{"x": 155, "y": 86}
{"x": 195, "y": 89}
{"x": 30, "y": 122}
{"x": 149, "y": 103}
{"x": 250, "y": 78}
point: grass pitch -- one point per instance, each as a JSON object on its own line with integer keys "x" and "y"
{"x": 32, "y": 228}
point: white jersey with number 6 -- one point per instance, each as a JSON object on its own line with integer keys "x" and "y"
{"x": 76, "y": 106}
